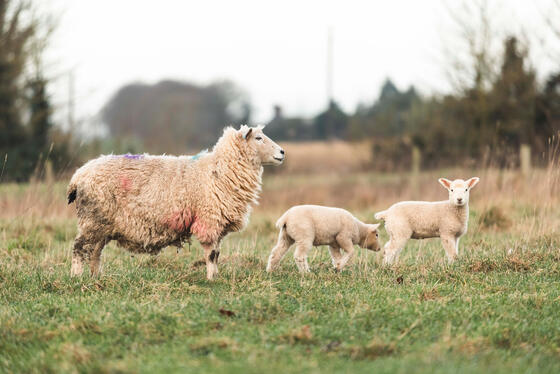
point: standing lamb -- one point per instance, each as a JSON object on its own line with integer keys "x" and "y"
{"x": 420, "y": 220}
{"x": 309, "y": 225}
{"x": 148, "y": 202}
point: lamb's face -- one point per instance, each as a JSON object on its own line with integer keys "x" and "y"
{"x": 371, "y": 240}
{"x": 267, "y": 152}
{"x": 459, "y": 189}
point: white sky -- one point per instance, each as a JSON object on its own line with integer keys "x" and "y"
{"x": 276, "y": 50}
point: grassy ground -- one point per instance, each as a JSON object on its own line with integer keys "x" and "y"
{"x": 496, "y": 309}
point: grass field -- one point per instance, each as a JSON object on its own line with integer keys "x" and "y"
{"x": 497, "y": 309}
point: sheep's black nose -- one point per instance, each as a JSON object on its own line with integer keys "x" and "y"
{"x": 459, "y": 199}
{"x": 282, "y": 151}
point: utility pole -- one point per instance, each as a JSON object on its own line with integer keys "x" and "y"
{"x": 330, "y": 64}
{"x": 71, "y": 97}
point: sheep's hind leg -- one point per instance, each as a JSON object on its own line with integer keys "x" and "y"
{"x": 392, "y": 250}
{"x": 336, "y": 255}
{"x": 279, "y": 251}
{"x": 300, "y": 256}
{"x": 86, "y": 251}
{"x": 450, "y": 244}
{"x": 95, "y": 258}
{"x": 78, "y": 256}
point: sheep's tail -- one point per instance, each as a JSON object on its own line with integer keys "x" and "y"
{"x": 381, "y": 215}
{"x": 281, "y": 223}
{"x": 72, "y": 191}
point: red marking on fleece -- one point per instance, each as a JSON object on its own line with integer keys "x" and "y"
{"x": 180, "y": 221}
{"x": 186, "y": 222}
{"x": 199, "y": 229}
{"x": 125, "y": 182}
{"x": 204, "y": 232}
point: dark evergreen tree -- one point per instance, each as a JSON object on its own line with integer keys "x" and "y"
{"x": 332, "y": 123}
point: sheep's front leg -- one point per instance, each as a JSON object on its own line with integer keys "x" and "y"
{"x": 300, "y": 256}
{"x": 450, "y": 244}
{"x": 348, "y": 247}
{"x": 211, "y": 254}
{"x": 336, "y": 255}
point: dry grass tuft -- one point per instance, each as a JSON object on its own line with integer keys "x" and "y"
{"x": 333, "y": 156}
{"x": 300, "y": 335}
{"x": 431, "y": 294}
{"x": 375, "y": 349}
{"x": 494, "y": 218}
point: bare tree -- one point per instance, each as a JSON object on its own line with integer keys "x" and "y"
{"x": 472, "y": 52}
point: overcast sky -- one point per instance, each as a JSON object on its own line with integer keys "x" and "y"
{"x": 276, "y": 50}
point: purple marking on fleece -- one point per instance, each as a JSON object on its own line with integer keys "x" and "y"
{"x": 133, "y": 157}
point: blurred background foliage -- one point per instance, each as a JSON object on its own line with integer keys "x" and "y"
{"x": 497, "y": 105}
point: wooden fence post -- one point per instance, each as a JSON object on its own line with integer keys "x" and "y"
{"x": 525, "y": 158}
{"x": 416, "y": 160}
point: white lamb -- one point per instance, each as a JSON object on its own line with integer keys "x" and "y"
{"x": 309, "y": 225}
{"x": 420, "y": 220}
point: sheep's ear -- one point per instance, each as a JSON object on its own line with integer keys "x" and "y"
{"x": 246, "y": 132}
{"x": 445, "y": 182}
{"x": 375, "y": 226}
{"x": 472, "y": 182}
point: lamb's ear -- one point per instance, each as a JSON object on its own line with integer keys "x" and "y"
{"x": 375, "y": 226}
{"x": 445, "y": 182}
{"x": 472, "y": 182}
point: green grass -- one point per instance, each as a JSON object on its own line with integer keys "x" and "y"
{"x": 496, "y": 310}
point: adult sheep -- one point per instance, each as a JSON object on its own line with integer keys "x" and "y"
{"x": 147, "y": 202}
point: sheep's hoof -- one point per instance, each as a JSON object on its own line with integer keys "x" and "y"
{"x": 77, "y": 268}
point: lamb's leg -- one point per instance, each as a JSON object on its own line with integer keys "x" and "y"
{"x": 393, "y": 248}
{"x": 211, "y": 254}
{"x": 336, "y": 255}
{"x": 450, "y": 244}
{"x": 284, "y": 243}
{"x": 348, "y": 247}
{"x": 300, "y": 255}
{"x": 95, "y": 258}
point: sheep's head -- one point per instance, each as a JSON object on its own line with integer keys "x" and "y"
{"x": 459, "y": 189}
{"x": 266, "y": 151}
{"x": 371, "y": 239}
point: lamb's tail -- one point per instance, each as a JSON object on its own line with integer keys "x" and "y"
{"x": 381, "y": 215}
{"x": 281, "y": 223}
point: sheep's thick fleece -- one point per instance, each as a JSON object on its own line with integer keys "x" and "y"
{"x": 148, "y": 202}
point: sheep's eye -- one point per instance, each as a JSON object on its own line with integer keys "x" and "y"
{"x": 258, "y": 138}
{"x": 466, "y": 189}
{"x": 377, "y": 235}
{"x": 452, "y": 190}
